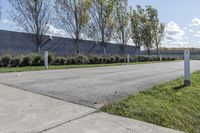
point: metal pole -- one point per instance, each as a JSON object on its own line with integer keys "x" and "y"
{"x": 46, "y": 64}
{"x": 187, "y": 68}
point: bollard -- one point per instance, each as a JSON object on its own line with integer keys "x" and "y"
{"x": 46, "y": 59}
{"x": 160, "y": 57}
{"x": 187, "y": 68}
{"x": 128, "y": 58}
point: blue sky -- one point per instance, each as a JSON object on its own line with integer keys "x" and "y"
{"x": 182, "y": 19}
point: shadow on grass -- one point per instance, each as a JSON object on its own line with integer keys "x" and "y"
{"x": 177, "y": 88}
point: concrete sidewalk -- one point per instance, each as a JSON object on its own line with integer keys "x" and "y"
{"x": 26, "y": 112}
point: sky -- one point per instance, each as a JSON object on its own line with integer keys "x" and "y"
{"x": 181, "y": 17}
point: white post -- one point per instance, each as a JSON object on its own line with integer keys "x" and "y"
{"x": 128, "y": 58}
{"x": 46, "y": 64}
{"x": 160, "y": 57}
{"x": 187, "y": 68}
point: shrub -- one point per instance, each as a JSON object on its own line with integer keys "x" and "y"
{"x": 6, "y": 60}
{"x": 67, "y": 61}
{"x": 117, "y": 59}
{"x": 17, "y": 61}
{"x": 81, "y": 59}
{"x": 51, "y": 58}
{"x": 0, "y": 61}
{"x": 60, "y": 61}
{"x": 27, "y": 60}
{"x": 93, "y": 60}
{"x": 72, "y": 60}
{"x": 122, "y": 60}
{"x": 37, "y": 60}
{"x": 112, "y": 59}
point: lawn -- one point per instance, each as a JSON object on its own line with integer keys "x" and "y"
{"x": 169, "y": 105}
{"x": 39, "y": 68}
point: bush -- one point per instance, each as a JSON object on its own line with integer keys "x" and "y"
{"x": 51, "y": 58}
{"x": 60, "y": 61}
{"x": 37, "y": 60}
{"x": 117, "y": 59}
{"x": 81, "y": 59}
{"x": 6, "y": 60}
{"x": 122, "y": 60}
{"x": 67, "y": 61}
{"x": 93, "y": 60}
{"x": 0, "y": 61}
{"x": 17, "y": 61}
{"x": 27, "y": 60}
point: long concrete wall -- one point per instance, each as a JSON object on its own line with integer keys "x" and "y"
{"x": 19, "y": 43}
{"x": 179, "y": 54}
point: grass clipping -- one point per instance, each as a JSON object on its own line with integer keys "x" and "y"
{"x": 169, "y": 105}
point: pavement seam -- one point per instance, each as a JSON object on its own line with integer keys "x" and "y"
{"x": 46, "y": 95}
{"x": 44, "y": 130}
{"x": 58, "y": 125}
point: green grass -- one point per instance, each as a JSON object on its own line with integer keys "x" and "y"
{"x": 40, "y": 68}
{"x": 169, "y": 105}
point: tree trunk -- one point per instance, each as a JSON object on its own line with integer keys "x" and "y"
{"x": 104, "y": 49}
{"x": 124, "y": 49}
{"x": 148, "y": 50}
{"x": 157, "y": 50}
{"x": 38, "y": 48}
{"x": 123, "y": 42}
{"x": 77, "y": 47}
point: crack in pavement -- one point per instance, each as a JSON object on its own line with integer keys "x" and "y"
{"x": 44, "y": 130}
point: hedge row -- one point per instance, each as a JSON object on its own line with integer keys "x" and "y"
{"x": 37, "y": 60}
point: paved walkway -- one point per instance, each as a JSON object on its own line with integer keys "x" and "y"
{"x": 26, "y": 112}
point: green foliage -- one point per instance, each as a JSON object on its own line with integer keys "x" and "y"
{"x": 74, "y": 16}
{"x": 16, "y": 61}
{"x": 38, "y": 60}
{"x": 147, "y": 30}
{"x": 170, "y": 105}
{"x": 102, "y": 25}
{"x": 51, "y": 58}
{"x": 81, "y": 59}
{"x": 60, "y": 61}
{"x": 6, "y": 60}
{"x": 27, "y": 60}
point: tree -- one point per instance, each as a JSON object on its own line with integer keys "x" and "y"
{"x": 136, "y": 25}
{"x": 33, "y": 17}
{"x": 101, "y": 24}
{"x": 123, "y": 28}
{"x": 159, "y": 35}
{"x": 74, "y": 17}
{"x": 147, "y": 30}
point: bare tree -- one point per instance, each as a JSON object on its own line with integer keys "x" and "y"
{"x": 33, "y": 17}
{"x": 123, "y": 27}
{"x": 74, "y": 17}
{"x": 101, "y": 24}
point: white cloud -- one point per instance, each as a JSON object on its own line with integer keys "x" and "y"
{"x": 192, "y": 31}
{"x": 174, "y": 36}
{"x": 197, "y": 34}
{"x": 56, "y": 32}
{"x": 6, "y": 21}
{"x": 195, "y": 22}
{"x": 185, "y": 28}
